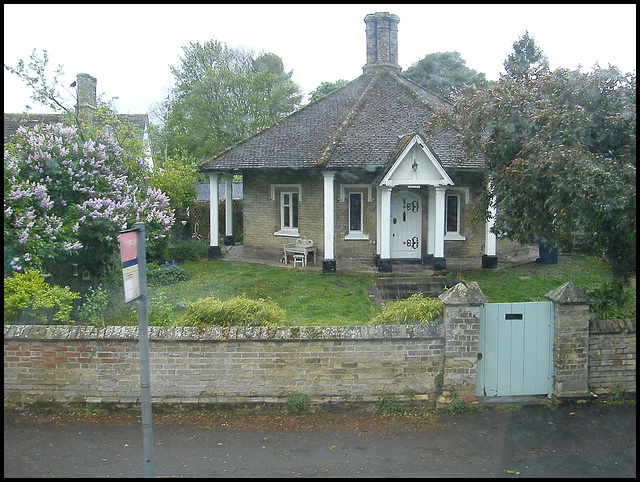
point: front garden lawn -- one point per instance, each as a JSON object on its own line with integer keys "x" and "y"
{"x": 315, "y": 299}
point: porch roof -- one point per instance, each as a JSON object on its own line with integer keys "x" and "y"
{"x": 360, "y": 125}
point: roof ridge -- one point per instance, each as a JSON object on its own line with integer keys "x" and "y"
{"x": 331, "y": 143}
{"x": 412, "y": 87}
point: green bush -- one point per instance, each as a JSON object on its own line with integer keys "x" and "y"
{"x": 187, "y": 250}
{"x": 605, "y": 300}
{"x": 28, "y": 298}
{"x": 237, "y": 311}
{"x": 389, "y": 405}
{"x": 458, "y": 406}
{"x": 95, "y": 304}
{"x": 166, "y": 274}
{"x": 415, "y": 309}
{"x": 298, "y": 402}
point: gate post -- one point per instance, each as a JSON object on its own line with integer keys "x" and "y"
{"x": 570, "y": 341}
{"x": 461, "y": 313}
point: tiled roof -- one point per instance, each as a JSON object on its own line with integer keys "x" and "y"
{"x": 13, "y": 121}
{"x": 356, "y": 126}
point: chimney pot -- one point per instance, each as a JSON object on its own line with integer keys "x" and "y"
{"x": 382, "y": 42}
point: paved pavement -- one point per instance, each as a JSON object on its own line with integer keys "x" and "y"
{"x": 593, "y": 440}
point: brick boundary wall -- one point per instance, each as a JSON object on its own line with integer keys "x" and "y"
{"x": 612, "y": 355}
{"x": 221, "y": 365}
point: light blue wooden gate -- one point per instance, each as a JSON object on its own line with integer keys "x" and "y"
{"x": 515, "y": 355}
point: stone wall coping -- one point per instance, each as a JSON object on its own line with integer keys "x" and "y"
{"x": 568, "y": 294}
{"x": 598, "y": 327}
{"x": 245, "y": 333}
{"x": 468, "y": 293}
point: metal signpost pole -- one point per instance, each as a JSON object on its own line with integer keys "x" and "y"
{"x": 145, "y": 380}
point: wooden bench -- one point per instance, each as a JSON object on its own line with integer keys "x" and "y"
{"x": 303, "y": 247}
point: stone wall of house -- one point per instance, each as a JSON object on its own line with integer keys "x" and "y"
{"x": 221, "y": 365}
{"x": 612, "y": 355}
{"x": 262, "y": 218}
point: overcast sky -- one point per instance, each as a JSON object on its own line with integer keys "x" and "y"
{"x": 129, "y": 48}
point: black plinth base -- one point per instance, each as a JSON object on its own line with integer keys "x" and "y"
{"x": 489, "y": 261}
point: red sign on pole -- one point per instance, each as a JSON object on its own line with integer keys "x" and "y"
{"x": 129, "y": 258}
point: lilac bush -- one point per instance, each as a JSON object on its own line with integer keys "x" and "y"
{"x": 67, "y": 198}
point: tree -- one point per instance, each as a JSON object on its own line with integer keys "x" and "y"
{"x": 223, "y": 95}
{"x": 176, "y": 178}
{"x": 71, "y": 187}
{"x": 526, "y": 60}
{"x": 65, "y": 196}
{"x": 326, "y": 88}
{"x": 560, "y": 157}
{"x": 90, "y": 120}
{"x": 444, "y": 73}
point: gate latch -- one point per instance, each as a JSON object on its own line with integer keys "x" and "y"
{"x": 479, "y": 356}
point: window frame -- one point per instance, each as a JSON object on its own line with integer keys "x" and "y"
{"x": 453, "y": 235}
{"x": 289, "y": 213}
{"x": 355, "y": 234}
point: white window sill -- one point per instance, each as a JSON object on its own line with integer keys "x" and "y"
{"x": 356, "y": 236}
{"x": 454, "y": 237}
{"x": 290, "y": 232}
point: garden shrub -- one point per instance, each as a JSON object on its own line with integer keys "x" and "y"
{"x": 95, "y": 304}
{"x": 166, "y": 274}
{"x": 28, "y": 298}
{"x": 298, "y": 402}
{"x": 605, "y": 300}
{"x": 187, "y": 250}
{"x": 389, "y": 405}
{"x": 237, "y": 311}
{"x": 415, "y": 309}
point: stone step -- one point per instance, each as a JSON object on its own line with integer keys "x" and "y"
{"x": 401, "y": 287}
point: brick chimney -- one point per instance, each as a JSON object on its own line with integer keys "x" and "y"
{"x": 382, "y": 42}
{"x": 87, "y": 100}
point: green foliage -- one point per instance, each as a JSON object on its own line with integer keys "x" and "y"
{"x": 458, "y": 406}
{"x": 176, "y": 177}
{"x": 27, "y": 297}
{"x": 439, "y": 383}
{"x": 526, "y": 60}
{"x": 298, "y": 402}
{"x": 237, "y": 311}
{"x": 611, "y": 303}
{"x": 166, "y": 274}
{"x": 444, "y": 73}
{"x": 223, "y": 95}
{"x": 91, "y": 312}
{"x": 415, "y": 309}
{"x": 389, "y": 405}
{"x": 187, "y": 250}
{"x": 560, "y": 151}
{"x": 326, "y": 88}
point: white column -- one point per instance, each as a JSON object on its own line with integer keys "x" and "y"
{"x": 378, "y": 219}
{"x": 329, "y": 221}
{"x": 490, "y": 238}
{"x": 228, "y": 205}
{"x": 431, "y": 235}
{"x": 439, "y": 231}
{"x": 385, "y": 223}
{"x": 213, "y": 209}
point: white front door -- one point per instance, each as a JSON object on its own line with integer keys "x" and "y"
{"x": 406, "y": 225}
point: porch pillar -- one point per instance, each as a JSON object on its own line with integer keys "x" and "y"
{"x": 431, "y": 226}
{"x": 329, "y": 262}
{"x": 228, "y": 211}
{"x": 439, "y": 261}
{"x": 384, "y": 264}
{"x": 214, "y": 248}
{"x": 489, "y": 258}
